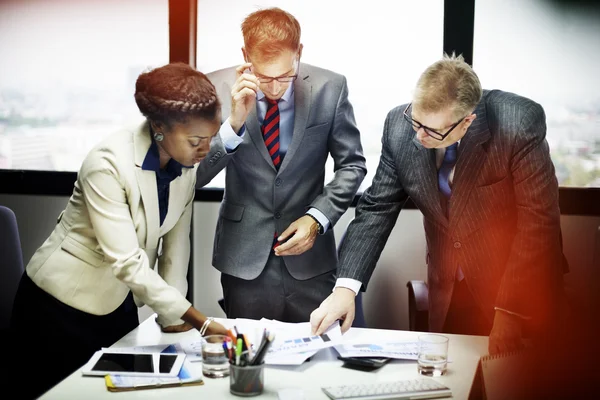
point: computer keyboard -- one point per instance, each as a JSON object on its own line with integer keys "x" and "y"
{"x": 422, "y": 388}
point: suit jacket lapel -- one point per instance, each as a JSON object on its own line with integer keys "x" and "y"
{"x": 256, "y": 135}
{"x": 471, "y": 155}
{"x": 147, "y": 184}
{"x": 423, "y": 163}
{"x": 302, "y": 102}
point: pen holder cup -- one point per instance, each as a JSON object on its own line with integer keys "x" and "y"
{"x": 246, "y": 380}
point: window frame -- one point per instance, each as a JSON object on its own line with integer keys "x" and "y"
{"x": 459, "y": 23}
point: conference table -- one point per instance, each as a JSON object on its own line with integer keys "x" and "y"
{"x": 323, "y": 369}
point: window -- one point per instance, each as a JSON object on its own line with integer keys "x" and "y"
{"x": 68, "y": 72}
{"x": 381, "y": 47}
{"x": 549, "y": 53}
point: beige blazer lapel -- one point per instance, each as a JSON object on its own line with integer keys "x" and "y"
{"x": 302, "y": 103}
{"x": 471, "y": 155}
{"x": 147, "y": 184}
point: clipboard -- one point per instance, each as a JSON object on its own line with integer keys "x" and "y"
{"x": 120, "y": 383}
{"x": 116, "y": 383}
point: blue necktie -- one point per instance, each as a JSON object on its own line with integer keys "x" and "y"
{"x": 444, "y": 183}
{"x": 446, "y": 169}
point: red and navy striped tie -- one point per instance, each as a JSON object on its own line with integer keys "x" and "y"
{"x": 270, "y": 131}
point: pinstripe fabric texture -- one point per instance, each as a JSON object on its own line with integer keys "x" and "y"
{"x": 503, "y": 224}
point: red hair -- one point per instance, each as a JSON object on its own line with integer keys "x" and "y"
{"x": 270, "y": 31}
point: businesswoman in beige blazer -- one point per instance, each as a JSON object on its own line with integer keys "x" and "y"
{"x": 130, "y": 210}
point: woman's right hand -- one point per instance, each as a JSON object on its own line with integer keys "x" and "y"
{"x": 215, "y": 328}
{"x": 186, "y": 326}
{"x": 198, "y": 320}
{"x": 243, "y": 96}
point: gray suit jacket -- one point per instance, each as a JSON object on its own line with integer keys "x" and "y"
{"x": 259, "y": 200}
{"x": 503, "y": 228}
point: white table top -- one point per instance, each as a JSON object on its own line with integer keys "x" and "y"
{"x": 324, "y": 369}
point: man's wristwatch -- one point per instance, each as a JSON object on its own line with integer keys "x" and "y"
{"x": 320, "y": 229}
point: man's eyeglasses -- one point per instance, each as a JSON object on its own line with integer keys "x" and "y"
{"x": 429, "y": 131}
{"x": 280, "y": 79}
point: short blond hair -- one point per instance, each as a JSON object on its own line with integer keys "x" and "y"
{"x": 449, "y": 82}
{"x": 268, "y": 32}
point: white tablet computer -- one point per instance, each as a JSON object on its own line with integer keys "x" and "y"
{"x": 105, "y": 362}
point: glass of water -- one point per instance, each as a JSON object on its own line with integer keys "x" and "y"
{"x": 433, "y": 355}
{"x": 215, "y": 363}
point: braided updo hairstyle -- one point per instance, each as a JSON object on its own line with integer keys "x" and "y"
{"x": 174, "y": 93}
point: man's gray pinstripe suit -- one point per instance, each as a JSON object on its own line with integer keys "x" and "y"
{"x": 503, "y": 229}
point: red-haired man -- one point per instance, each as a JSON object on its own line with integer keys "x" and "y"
{"x": 274, "y": 242}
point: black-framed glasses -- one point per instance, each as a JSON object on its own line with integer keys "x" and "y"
{"x": 434, "y": 133}
{"x": 280, "y": 79}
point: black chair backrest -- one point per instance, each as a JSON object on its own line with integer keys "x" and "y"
{"x": 11, "y": 263}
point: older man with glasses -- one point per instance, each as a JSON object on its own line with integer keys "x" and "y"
{"x": 477, "y": 165}
{"x": 274, "y": 242}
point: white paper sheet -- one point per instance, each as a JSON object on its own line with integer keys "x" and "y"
{"x": 397, "y": 350}
{"x": 289, "y": 359}
{"x": 293, "y": 343}
{"x": 300, "y": 340}
{"x": 186, "y": 374}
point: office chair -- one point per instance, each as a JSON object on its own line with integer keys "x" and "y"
{"x": 418, "y": 306}
{"x": 11, "y": 264}
{"x": 418, "y": 294}
{"x": 596, "y": 262}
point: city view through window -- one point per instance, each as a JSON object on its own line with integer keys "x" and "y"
{"x": 69, "y": 68}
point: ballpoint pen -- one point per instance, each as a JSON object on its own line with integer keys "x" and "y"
{"x": 262, "y": 343}
{"x": 262, "y": 351}
{"x": 225, "y": 350}
{"x": 248, "y": 346}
